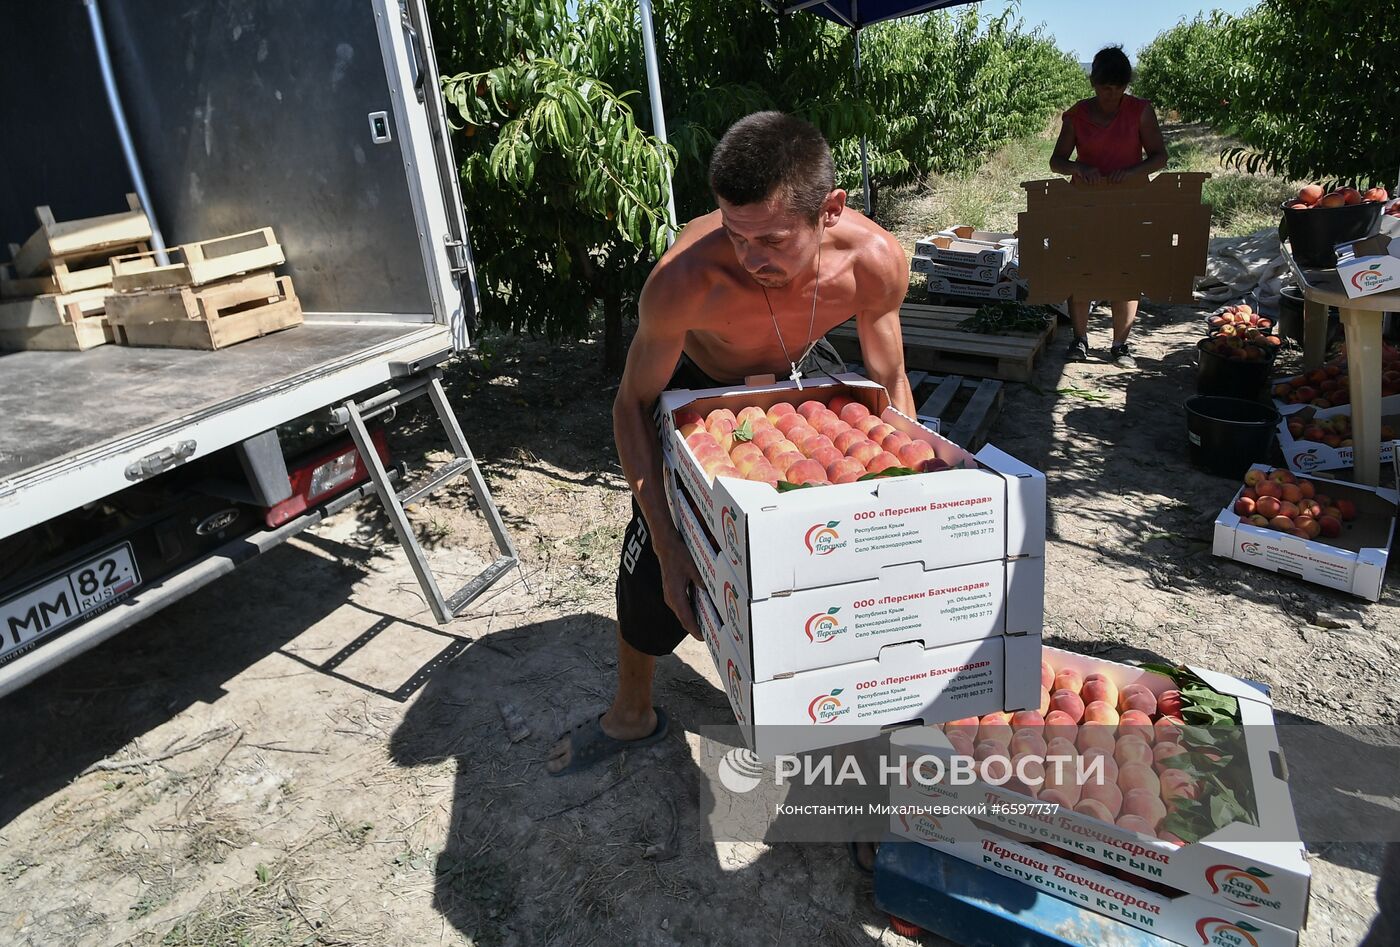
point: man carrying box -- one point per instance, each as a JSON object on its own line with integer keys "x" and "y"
{"x": 748, "y": 289}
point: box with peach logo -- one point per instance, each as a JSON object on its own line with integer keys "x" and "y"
{"x": 857, "y": 491}
{"x": 1327, "y": 532}
{"x": 853, "y": 621}
{"x": 1170, "y": 776}
{"x": 1181, "y": 918}
{"x": 905, "y": 683}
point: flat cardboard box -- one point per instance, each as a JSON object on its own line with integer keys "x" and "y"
{"x": 1309, "y": 456}
{"x": 991, "y": 507}
{"x": 1114, "y": 241}
{"x": 1183, "y": 918}
{"x": 854, "y": 621}
{"x": 1370, "y": 265}
{"x": 942, "y": 248}
{"x": 958, "y": 272}
{"x": 1005, "y": 289}
{"x": 906, "y": 684}
{"x": 1353, "y": 562}
{"x": 1253, "y": 868}
{"x": 966, "y": 233}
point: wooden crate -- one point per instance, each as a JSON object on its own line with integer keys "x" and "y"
{"x": 934, "y": 343}
{"x": 59, "y": 240}
{"x": 199, "y": 263}
{"x": 213, "y": 317}
{"x": 79, "y": 271}
{"x": 15, "y": 287}
{"x": 55, "y": 322}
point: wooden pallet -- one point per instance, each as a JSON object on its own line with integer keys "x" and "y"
{"x": 213, "y": 317}
{"x": 199, "y": 263}
{"x": 64, "y": 337}
{"x": 934, "y": 343}
{"x": 15, "y": 287}
{"x": 58, "y": 240}
{"x": 966, "y": 409}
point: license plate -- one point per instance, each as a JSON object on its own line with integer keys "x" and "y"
{"x": 60, "y": 600}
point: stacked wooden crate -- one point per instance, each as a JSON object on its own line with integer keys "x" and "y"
{"x": 212, "y": 293}
{"x": 53, "y": 290}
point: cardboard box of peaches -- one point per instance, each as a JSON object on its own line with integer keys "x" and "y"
{"x": 1180, "y": 821}
{"x": 863, "y": 571}
{"x": 1323, "y": 531}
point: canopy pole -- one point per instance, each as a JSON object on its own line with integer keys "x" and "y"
{"x": 864, "y": 156}
{"x": 114, "y": 103}
{"x": 658, "y": 113}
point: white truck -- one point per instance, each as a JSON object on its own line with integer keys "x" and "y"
{"x": 130, "y": 477}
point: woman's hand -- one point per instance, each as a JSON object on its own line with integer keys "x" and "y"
{"x": 1087, "y": 173}
{"x": 1118, "y": 177}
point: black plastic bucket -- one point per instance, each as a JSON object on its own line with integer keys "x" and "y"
{"x": 1314, "y": 233}
{"x": 1231, "y": 378}
{"x": 1226, "y": 435}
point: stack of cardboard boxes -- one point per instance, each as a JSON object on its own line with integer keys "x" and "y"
{"x": 968, "y": 263}
{"x": 832, "y": 612}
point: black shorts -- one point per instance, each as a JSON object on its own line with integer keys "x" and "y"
{"x": 643, "y": 617}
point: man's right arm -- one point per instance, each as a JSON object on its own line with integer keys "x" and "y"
{"x": 663, "y": 317}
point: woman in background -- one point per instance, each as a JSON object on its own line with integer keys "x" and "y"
{"x": 1113, "y": 136}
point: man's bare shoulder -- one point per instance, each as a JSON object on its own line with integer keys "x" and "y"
{"x": 694, "y": 266}
{"x": 881, "y": 266}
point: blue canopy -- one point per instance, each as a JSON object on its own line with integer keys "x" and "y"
{"x": 859, "y": 13}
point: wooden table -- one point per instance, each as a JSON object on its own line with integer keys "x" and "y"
{"x": 1361, "y": 321}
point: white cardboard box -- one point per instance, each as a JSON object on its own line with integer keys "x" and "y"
{"x": 1308, "y": 456}
{"x": 976, "y": 273}
{"x": 906, "y": 683}
{"x": 854, "y": 621}
{"x": 1353, "y": 562}
{"x": 964, "y": 232}
{"x": 1253, "y": 868}
{"x": 1002, "y": 290}
{"x": 1185, "y": 919}
{"x": 943, "y": 248}
{"x": 1370, "y": 265}
{"x": 992, "y": 507}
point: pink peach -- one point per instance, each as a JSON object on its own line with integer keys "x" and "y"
{"x": 786, "y": 422}
{"x": 778, "y": 411}
{"x": 986, "y": 749}
{"x": 1061, "y": 746}
{"x": 1137, "y": 697}
{"x": 1027, "y": 718}
{"x": 995, "y": 726}
{"x": 809, "y": 409}
{"x": 1177, "y": 784}
{"x": 848, "y": 438}
{"x": 864, "y": 451}
{"x": 1167, "y": 730}
{"x": 1106, "y": 772}
{"x": 1098, "y": 687}
{"x": 1145, "y": 805}
{"x": 1060, "y": 724}
{"x": 831, "y": 427}
{"x": 1029, "y": 740}
{"x": 826, "y": 456}
{"x": 768, "y": 437}
{"x": 967, "y": 725}
{"x": 1163, "y": 753}
{"x": 1068, "y": 702}
{"x": 1094, "y": 809}
{"x": 1169, "y": 703}
{"x": 1047, "y": 676}
{"x": 1135, "y": 823}
{"x": 882, "y": 461}
{"x": 962, "y": 743}
{"x": 1044, "y": 706}
{"x": 1132, "y": 750}
{"x": 853, "y": 412}
{"x": 895, "y": 441}
{"x": 1093, "y": 735}
{"x": 1135, "y": 722}
{"x": 845, "y": 470}
{"x": 806, "y": 471}
{"x": 914, "y": 454}
{"x": 1138, "y": 776}
{"x": 879, "y": 432}
{"x": 1069, "y": 679}
{"x": 1099, "y": 712}
{"x": 866, "y": 424}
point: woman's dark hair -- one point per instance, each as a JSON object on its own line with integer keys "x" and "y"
{"x": 1111, "y": 67}
{"x": 770, "y": 153}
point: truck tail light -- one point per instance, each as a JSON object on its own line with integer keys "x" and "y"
{"x": 324, "y": 474}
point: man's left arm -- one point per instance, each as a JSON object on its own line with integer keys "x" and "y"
{"x": 881, "y": 342}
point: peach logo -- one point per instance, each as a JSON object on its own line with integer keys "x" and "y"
{"x": 823, "y": 627}
{"x": 1251, "y": 549}
{"x": 1217, "y": 930}
{"x": 1306, "y": 460}
{"x": 735, "y": 689}
{"x": 823, "y": 539}
{"x": 825, "y": 708}
{"x": 1243, "y": 886}
{"x": 1369, "y": 279}
{"x": 729, "y": 525}
{"x": 731, "y": 609}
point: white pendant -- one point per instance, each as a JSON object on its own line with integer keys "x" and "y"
{"x": 796, "y": 375}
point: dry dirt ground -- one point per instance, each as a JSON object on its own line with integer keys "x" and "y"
{"x": 370, "y": 795}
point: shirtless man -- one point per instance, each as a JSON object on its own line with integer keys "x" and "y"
{"x": 748, "y": 289}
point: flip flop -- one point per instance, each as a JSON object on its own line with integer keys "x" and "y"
{"x": 589, "y": 745}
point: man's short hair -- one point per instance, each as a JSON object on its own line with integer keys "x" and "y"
{"x": 770, "y": 154}
{"x": 1111, "y": 67}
